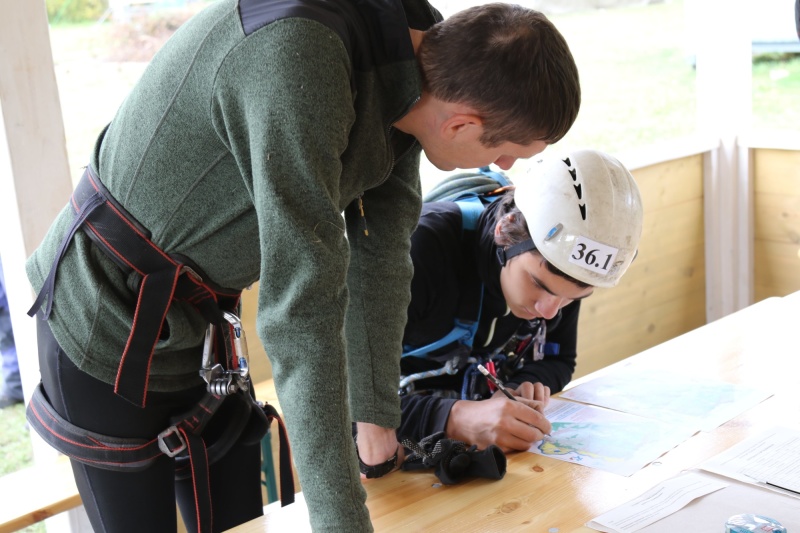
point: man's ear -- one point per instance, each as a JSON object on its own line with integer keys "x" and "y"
{"x": 461, "y": 125}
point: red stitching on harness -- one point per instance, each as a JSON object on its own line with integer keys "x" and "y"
{"x": 150, "y": 243}
{"x": 208, "y": 486}
{"x": 175, "y": 277}
{"x": 49, "y": 429}
{"x": 91, "y": 180}
{"x": 116, "y": 252}
{"x": 134, "y": 228}
{"x": 87, "y": 460}
{"x": 152, "y": 348}
{"x": 203, "y": 291}
{"x": 281, "y": 424}
{"x": 128, "y": 345}
{"x": 194, "y": 484}
{"x": 197, "y": 298}
{"x": 192, "y": 424}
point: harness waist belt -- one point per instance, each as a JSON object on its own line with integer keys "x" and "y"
{"x": 163, "y": 278}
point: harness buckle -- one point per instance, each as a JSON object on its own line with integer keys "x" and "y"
{"x": 191, "y": 273}
{"x": 171, "y": 432}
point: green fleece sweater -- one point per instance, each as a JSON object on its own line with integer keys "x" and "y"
{"x": 243, "y": 144}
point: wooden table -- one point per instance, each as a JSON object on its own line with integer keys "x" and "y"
{"x": 754, "y": 346}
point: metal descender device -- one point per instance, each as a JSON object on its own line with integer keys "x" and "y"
{"x": 222, "y": 381}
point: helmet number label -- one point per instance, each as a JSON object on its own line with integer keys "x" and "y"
{"x": 593, "y": 255}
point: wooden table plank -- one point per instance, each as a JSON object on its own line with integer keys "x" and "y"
{"x": 756, "y": 346}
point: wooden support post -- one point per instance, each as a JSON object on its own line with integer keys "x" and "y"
{"x": 34, "y": 180}
{"x": 721, "y": 37}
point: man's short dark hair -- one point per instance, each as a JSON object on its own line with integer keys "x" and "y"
{"x": 511, "y": 64}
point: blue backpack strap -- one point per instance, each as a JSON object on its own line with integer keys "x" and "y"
{"x": 471, "y": 209}
{"x": 465, "y": 327}
{"x": 471, "y": 192}
{"x": 463, "y": 332}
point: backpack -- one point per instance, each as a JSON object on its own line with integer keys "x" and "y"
{"x": 472, "y": 192}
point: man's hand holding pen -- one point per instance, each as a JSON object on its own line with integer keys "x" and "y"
{"x": 535, "y": 392}
{"x": 511, "y": 425}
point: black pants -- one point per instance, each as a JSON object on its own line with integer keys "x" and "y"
{"x": 119, "y": 502}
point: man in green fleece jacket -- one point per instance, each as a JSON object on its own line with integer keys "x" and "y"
{"x": 280, "y": 141}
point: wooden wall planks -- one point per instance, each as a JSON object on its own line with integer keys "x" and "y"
{"x": 663, "y": 293}
{"x": 777, "y": 222}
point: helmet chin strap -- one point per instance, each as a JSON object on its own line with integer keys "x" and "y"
{"x": 503, "y": 255}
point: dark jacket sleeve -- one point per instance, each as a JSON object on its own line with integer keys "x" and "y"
{"x": 434, "y": 300}
{"x": 554, "y": 371}
{"x": 422, "y": 416}
{"x": 435, "y": 252}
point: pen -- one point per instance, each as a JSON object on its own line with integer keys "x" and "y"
{"x": 497, "y": 383}
{"x": 780, "y": 487}
{"x": 758, "y": 481}
{"x": 500, "y": 386}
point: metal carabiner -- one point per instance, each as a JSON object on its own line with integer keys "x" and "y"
{"x": 239, "y": 343}
{"x": 223, "y": 381}
{"x": 539, "y": 340}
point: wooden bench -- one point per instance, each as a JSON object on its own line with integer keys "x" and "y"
{"x": 35, "y": 493}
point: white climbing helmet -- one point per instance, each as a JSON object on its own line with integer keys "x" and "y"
{"x": 584, "y": 213}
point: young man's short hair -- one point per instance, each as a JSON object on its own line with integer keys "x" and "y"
{"x": 511, "y": 64}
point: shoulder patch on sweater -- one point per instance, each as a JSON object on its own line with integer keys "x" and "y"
{"x": 341, "y": 17}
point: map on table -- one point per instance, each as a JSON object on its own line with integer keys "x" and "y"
{"x": 667, "y": 395}
{"x": 608, "y": 440}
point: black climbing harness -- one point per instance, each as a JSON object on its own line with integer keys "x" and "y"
{"x": 164, "y": 278}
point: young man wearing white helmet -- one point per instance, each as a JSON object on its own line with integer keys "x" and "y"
{"x": 572, "y": 224}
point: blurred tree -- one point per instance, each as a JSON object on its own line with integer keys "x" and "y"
{"x": 75, "y": 10}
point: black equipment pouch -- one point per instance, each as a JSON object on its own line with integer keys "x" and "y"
{"x": 453, "y": 460}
